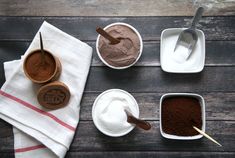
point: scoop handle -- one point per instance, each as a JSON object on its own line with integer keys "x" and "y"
{"x": 140, "y": 123}
{"x": 103, "y": 33}
{"x": 197, "y": 17}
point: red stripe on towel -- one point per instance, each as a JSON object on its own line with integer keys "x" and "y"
{"x": 19, "y": 150}
{"x": 37, "y": 110}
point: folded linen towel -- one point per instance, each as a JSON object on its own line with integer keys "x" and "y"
{"x": 39, "y": 132}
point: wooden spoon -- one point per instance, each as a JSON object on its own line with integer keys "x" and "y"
{"x": 42, "y": 50}
{"x": 140, "y": 123}
{"x": 107, "y": 36}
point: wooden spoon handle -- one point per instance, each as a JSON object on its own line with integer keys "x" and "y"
{"x": 107, "y": 36}
{"x": 140, "y": 123}
{"x": 42, "y": 50}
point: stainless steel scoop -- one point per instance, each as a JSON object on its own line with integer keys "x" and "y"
{"x": 188, "y": 38}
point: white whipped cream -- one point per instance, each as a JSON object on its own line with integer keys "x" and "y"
{"x": 109, "y": 115}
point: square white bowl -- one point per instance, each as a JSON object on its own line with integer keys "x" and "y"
{"x": 196, "y": 61}
{"x": 202, "y": 103}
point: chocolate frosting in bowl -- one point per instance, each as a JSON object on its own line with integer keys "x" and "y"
{"x": 124, "y": 53}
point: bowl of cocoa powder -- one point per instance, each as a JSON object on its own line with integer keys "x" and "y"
{"x": 42, "y": 71}
{"x": 179, "y": 112}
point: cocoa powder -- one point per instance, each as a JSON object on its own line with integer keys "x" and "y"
{"x": 36, "y": 69}
{"x": 180, "y": 114}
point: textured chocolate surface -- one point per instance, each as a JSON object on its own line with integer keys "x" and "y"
{"x": 124, "y": 53}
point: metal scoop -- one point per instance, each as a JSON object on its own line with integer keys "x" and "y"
{"x": 188, "y": 38}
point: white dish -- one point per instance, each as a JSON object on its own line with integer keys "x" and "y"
{"x": 141, "y": 46}
{"x": 108, "y": 112}
{"x": 202, "y": 103}
{"x": 168, "y": 60}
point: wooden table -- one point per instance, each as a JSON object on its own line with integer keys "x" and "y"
{"x": 145, "y": 81}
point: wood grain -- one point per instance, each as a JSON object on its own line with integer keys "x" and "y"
{"x": 88, "y": 138}
{"x": 6, "y": 129}
{"x": 153, "y": 79}
{"x": 150, "y": 154}
{"x": 83, "y": 28}
{"x": 6, "y": 140}
{"x": 7, "y": 154}
{"x": 218, "y": 53}
{"x": 146, "y": 81}
{"x": 113, "y": 7}
{"x": 219, "y": 106}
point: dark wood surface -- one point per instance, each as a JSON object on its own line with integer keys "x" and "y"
{"x": 114, "y": 7}
{"x": 146, "y": 81}
{"x": 150, "y": 28}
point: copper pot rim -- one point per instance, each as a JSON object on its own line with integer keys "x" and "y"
{"x": 42, "y": 81}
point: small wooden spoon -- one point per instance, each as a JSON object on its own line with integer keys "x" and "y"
{"x": 207, "y": 136}
{"x": 107, "y": 36}
{"x": 42, "y": 50}
{"x": 140, "y": 123}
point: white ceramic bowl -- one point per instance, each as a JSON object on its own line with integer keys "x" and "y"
{"x": 103, "y": 130}
{"x": 202, "y": 103}
{"x": 196, "y": 61}
{"x": 141, "y": 46}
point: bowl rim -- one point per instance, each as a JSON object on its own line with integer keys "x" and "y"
{"x": 140, "y": 51}
{"x": 202, "y": 103}
{"x": 100, "y": 128}
{"x": 203, "y": 58}
{"x": 26, "y": 72}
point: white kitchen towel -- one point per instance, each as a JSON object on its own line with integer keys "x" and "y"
{"x": 40, "y": 132}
